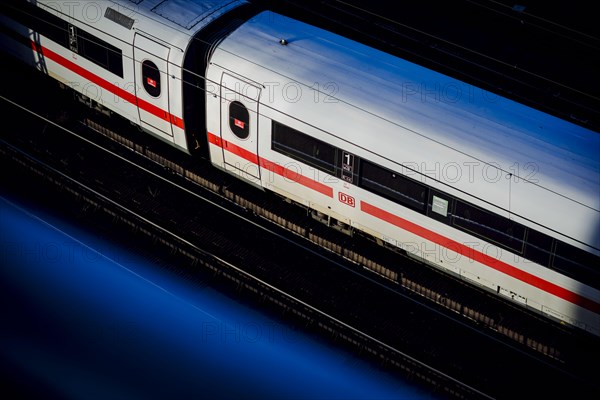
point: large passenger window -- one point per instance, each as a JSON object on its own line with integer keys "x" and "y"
{"x": 39, "y": 20}
{"x": 67, "y": 35}
{"x": 490, "y": 226}
{"x": 573, "y": 261}
{"x": 303, "y": 148}
{"x": 100, "y": 52}
{"x": 538, "y": 247}
{"x": 393, "y": 186}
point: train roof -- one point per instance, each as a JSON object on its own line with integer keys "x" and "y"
{"x": 187, "y": 14}
{"x": 173, "y": 21}
{"x": 409, "y": 114}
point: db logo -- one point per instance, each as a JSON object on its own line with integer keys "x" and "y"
{"x": 346, "y": 199}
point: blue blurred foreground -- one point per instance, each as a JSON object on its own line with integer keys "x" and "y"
{"x": 83, "y": 319}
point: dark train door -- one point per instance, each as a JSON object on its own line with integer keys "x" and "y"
{"x": 239, "y": 124}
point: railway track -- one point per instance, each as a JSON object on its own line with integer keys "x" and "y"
{"x": 395, "y": 270}
{"x": 391, "y": 339}
{"x": 221, "y": 260}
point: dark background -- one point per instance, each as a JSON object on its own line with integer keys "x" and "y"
{"x": 542, "y": 53}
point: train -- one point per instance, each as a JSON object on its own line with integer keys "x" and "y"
{"x": 491, "y": 191}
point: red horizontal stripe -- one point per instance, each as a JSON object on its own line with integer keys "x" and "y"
{"x": 238, "y": 151}
{"x": 214, "y": 139}
{"x": 297, "y": 177}
{"x": 271, "y": 166}
{"x": 481, "y": 257}
{"x": 111, "y": 87}
{"x": 232, "y": 148}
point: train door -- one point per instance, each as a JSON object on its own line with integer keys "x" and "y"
{"x": 239, "y": 125}
{"x": 151, "y": 84}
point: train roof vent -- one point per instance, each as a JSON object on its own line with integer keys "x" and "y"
{"x": 187, "y": 13}
{"x": 119, "y": 18}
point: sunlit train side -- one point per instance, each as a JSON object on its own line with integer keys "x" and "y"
{"x": 494, "y": 192}
{"x": 124, "y": 56}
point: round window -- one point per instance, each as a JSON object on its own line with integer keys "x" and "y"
{"x": 239, "y": 119}
{"x": 151, "y": 78}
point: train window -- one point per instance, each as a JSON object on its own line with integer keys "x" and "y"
{"x": 393, "y": 186}
{"x": 239, "y": 119}
{"x": 489, "y": 226}
{"x": 577, "y": 263}
{"x": 303, "y": 148}
{"x": 538, "y": 247}
{"x": 151, "y": 78}
{"x": 40, "y": 21}
{"x": 101, "y": 53}
{"x": 69, "y": 36}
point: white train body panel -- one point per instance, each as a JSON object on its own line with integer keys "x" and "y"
{"x": 475, "y": 146}
{"x": 160, "y": 32}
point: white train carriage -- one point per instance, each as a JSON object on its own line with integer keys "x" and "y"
{"x": 497, "y": 193}
{"x": 122, "y": 56}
